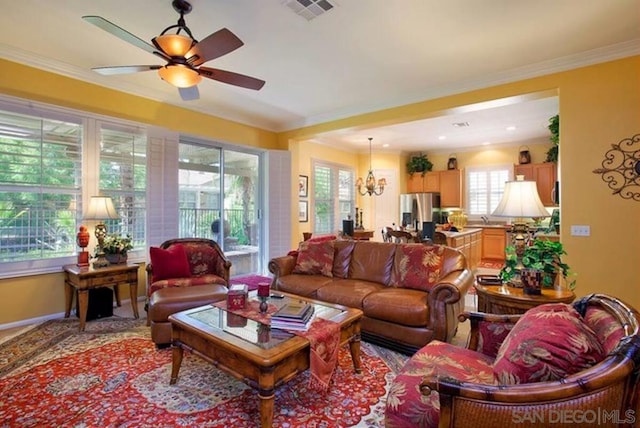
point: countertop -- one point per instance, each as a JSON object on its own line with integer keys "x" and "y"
{"x": 465, "y": 231}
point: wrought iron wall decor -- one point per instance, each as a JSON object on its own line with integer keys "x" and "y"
{"x": 621, "y": 168}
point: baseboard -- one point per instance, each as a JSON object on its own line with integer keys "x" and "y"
{"x": 39, "y": 320}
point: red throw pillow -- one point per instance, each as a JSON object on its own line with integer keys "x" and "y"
{"x": 548, "y": 343}
{"x": 315, "y": 258}
{"x": 417, "y": 266}
{"x": 169, "y": 263}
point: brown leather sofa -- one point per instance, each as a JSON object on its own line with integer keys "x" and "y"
{"x": 362, "y": 276}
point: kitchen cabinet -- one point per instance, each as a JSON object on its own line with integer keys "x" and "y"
{"x": 469, "y": 243}
{"x": 415, "y": 183}
{"x": 448, "y": 183}
{"x": 494, "y": 241}
{"x": 430, "y": 182}
{"x": 545, "y": 176}
{"x": 450, "y": 188}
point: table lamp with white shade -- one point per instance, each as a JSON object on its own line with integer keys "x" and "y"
{"x": 101, "y": 208}
{"x": 520, "y": 201}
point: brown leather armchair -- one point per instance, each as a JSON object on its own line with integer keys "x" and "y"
{"x": 207, "y": 264}
{"x": 202, "y": 279}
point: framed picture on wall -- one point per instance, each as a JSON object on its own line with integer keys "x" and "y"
{"x": 303, "y": 211}
{"x": 303, "y": 186}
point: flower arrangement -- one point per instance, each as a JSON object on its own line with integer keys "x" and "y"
{"x": 117, "y": 244}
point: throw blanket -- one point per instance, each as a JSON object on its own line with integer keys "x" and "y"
{"x": 323, "y": 336}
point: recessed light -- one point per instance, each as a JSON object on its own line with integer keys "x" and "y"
{"x": 511, "y": 128}
{"x": 442, "y": 137}
{"x": 385, "y": 145}
{"x": 486, "y": 143}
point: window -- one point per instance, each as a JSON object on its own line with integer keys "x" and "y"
{"x": 219, "y": 200}
{"x": 123, "y": 176}
{"x": 40, "y": 182}
{"x": 53, "y": 159}
{"x": 485, "y": 186}
{"x": 334, "y": 198}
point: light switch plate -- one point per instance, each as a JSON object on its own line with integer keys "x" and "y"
{"x": 580, "y": 230}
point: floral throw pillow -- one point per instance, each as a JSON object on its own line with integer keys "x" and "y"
{"x": 417, "y": 266}
{"x": 315, "y": 258}
{"x": 548, "y": 343}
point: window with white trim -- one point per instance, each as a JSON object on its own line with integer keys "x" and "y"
{"x": 40, "y": 184}
{"x": 485, "y": 186}
{"x": 334, "y": 196}
{"x": 123, "y": 176}
{"x": 50, "y": 160}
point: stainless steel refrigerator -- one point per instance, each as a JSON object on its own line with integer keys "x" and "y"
{"x": 420, "y": 211}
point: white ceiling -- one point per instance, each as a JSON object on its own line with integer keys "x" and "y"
{"x": 362, "y": 56}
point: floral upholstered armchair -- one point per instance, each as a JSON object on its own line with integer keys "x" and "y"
{"x": 556, "y": 364}
{"x": 185, "y": 262}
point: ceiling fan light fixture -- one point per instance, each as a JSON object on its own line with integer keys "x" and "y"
{"x": 180, "y": 76}
{"x": 174, "y": 45}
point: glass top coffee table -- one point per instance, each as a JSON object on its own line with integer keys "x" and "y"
{"x": 252, "y": 352}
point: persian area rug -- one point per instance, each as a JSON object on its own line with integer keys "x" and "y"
{"x": 112, "y": 375}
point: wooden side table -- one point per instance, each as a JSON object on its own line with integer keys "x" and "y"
{"x": 502, "y": 299}
{"x": 84, "y": 278}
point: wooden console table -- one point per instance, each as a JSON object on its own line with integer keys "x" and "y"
{"x": 362, "y": 235}
{"x": 503, "y": 299}
{"x": 84, "y": 278}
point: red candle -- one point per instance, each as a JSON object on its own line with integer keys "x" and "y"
{"x": 263, "y": 289}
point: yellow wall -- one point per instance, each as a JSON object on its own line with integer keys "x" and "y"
{"x": 599, "y": 106}
{"x": 34, "y": 84}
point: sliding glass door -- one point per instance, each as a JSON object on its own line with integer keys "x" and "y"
{"x": 219, "y": 197}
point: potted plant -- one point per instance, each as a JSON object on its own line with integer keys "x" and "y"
{"x": 419, "y": 163}
{"x": 542, "y": 255}
{"x": 115, "y": 247}
{"x": 554, "y": 128}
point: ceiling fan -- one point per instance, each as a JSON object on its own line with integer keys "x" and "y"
{"x": 183, "y": 54}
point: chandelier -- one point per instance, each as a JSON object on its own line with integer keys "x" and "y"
{"x": 368, "y": 186}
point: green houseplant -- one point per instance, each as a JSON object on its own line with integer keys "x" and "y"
{"x": 543, "y": 255}
{"x": 419, "y": 163}
{"x": 554, "y": 128}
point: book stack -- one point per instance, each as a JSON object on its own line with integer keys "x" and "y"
{"x": 293, "y": 316}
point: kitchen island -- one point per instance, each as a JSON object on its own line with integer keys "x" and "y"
{"x": 468, "y": 241}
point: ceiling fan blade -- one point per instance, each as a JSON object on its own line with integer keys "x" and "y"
{"x": 125, "y": 69}
{"x": 213, "y": 46}
{"x": 123, "y": 34}
{"x": 189, "y": 94}
{"x": 231, "y": 78}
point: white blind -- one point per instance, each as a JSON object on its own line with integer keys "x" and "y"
{"x": 40, "y": 181}
{"x": 485, "y": 186}
{"x": 334, "y": 198}
{"x": 123, "y": 176}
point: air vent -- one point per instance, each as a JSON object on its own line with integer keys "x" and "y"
{"x": 460, "y": 124}
{"x": 309, "y": 9}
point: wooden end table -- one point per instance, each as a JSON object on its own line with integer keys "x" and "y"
{"x": 84, "y": 278}
{"x": 503, "y": 299}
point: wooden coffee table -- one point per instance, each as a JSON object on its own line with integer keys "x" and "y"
{"x": 250, "y": 352}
